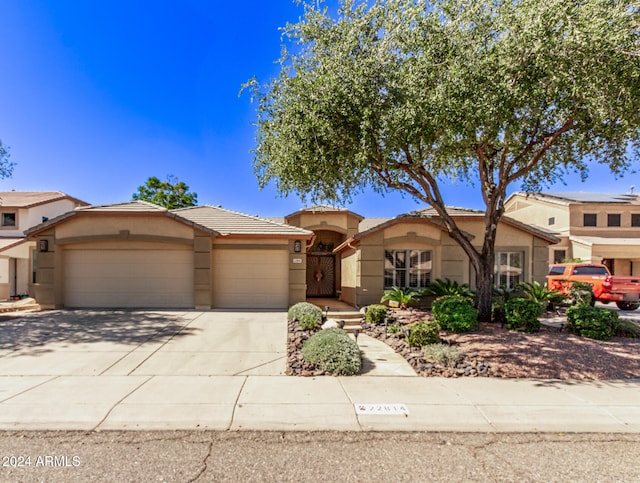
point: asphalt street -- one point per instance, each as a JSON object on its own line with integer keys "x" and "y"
{"x": 203, "y": 456}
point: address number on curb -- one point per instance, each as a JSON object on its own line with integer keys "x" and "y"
{"x": 381, "y": 409}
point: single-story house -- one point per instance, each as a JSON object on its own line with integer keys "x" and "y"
{"x": 139, "y": 255}
{"x": 357, "y": 259}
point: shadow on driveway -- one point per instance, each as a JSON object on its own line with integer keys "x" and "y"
{"x": 30, "y": 334}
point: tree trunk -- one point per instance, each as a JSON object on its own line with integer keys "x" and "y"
{"x": 484, "y": 287}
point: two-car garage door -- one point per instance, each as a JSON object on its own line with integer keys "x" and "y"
{"x": 129, "y": 278}
{"x": 164, "y": 278}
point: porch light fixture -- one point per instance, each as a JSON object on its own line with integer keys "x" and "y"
{"x": 297, "y": 246}
{"x": 341, "y": 324}
{"x": 43, "y": 245}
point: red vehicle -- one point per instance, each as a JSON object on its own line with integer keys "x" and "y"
{"x": 624, "y": 291}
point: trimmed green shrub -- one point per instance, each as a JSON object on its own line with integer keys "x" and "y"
{"x": 375, "y": 314}
{"x": 522, "y": 315}
{"x": 626, "y": 328}
{"x": 592, "y": 322}
{"x": 442, "y": 354}
{"x": 581, "y": 293}
{"x": 307, "y": 315}
{"x": 423, "y": 333}
{"x": 455, "y": 313}
{"x": 333, "y": 351}
{"x": 394, "y": 328}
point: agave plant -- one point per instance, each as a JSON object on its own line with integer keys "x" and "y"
{"x": 447, "y": 287}
{"x": 403, "y": 296}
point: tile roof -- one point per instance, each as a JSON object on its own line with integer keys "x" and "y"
{"x": 27, "y": 199}
{"x": 584, "y": 197}
{"x": 227, "y": 222}
{"x": 432, "y": 216}
{"x": 10, "y": 242}
{"x": 369, "y": 223}
{"x": 127, "y": 206}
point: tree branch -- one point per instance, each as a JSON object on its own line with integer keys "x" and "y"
{"x": 547, "y": 143}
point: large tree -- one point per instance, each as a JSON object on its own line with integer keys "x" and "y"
{"x": 171, "y": 193}
{"x": 409, "y": 94}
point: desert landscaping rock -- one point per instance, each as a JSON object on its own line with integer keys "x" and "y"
{"x": 493, "y": 351}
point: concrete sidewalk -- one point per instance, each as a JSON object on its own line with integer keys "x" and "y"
{"x": 325, "y": 403}
{"x": 93, "y": 370}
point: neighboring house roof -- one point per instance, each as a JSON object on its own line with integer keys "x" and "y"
{"x": 227, "y": 222}
{"x": 566, "y": 198}
{"x": 431, "y": 216}
{"x": 10, "y": 242}
{"x": 325, "y": 208}
{"x": 29, "y": 199}
{"x": 126, "y": 206}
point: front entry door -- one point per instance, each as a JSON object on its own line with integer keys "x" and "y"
{"x": 321, "y": 276}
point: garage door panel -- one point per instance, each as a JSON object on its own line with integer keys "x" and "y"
{"x": 250, "y": 278}
{"x": 129, "y": 278}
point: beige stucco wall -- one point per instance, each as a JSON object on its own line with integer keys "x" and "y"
{"x": 363, "y": 267}
{"x": 339, "y": 221}
{"x": 107, "y": 226}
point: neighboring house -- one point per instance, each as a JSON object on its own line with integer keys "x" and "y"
{"x": 593, "y": 227}
{"x": 357, "y": 259}
{"x": 139, "y": 255}
{"x": 19, "y": 211}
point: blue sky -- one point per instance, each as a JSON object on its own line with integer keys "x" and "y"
{"x": 98, "y": 95}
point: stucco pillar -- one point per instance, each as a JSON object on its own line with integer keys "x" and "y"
{"x": 202, "y": 290}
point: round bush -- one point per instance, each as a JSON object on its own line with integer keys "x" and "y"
{"x": 423, "y": 333}
{"x": 442, "y": 354}
{"x": 375, "y": 314}
{"x": 455, "y": 313}
{"x": 522, "y": 315}
{"x": 333, "y": 351}
{"x": 307, "y": 315}
{"x": 592, "y": 322}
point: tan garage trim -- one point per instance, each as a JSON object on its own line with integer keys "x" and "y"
{"x": 250, "y": 278}
{"x": 129, "y": 278}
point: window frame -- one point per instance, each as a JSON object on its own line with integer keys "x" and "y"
{"x": 609, "y": 219}
{"x": 404, "y": 265}
{"x": 595, "y": 219}
{"x": 3, "y": 225}
{"x": 497, "y": 274}
{"x": 635, "y": 220}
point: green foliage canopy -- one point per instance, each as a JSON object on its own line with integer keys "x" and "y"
{"x": 405, "y": 94}
{"x": 171, "y": 194}
{"x": 401, "y": 93}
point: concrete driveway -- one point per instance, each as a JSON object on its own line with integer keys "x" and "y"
{"x": 143, "y": 343}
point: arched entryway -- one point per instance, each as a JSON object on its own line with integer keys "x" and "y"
{"x": 323, "y": 273}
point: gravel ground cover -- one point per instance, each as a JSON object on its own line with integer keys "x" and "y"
{"x": 493, "y": 351}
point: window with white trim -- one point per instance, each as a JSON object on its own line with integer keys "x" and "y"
{"x": 407, "y": 268}
{"x": 509, "y": 269}
{"x": 8, "y": 219}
